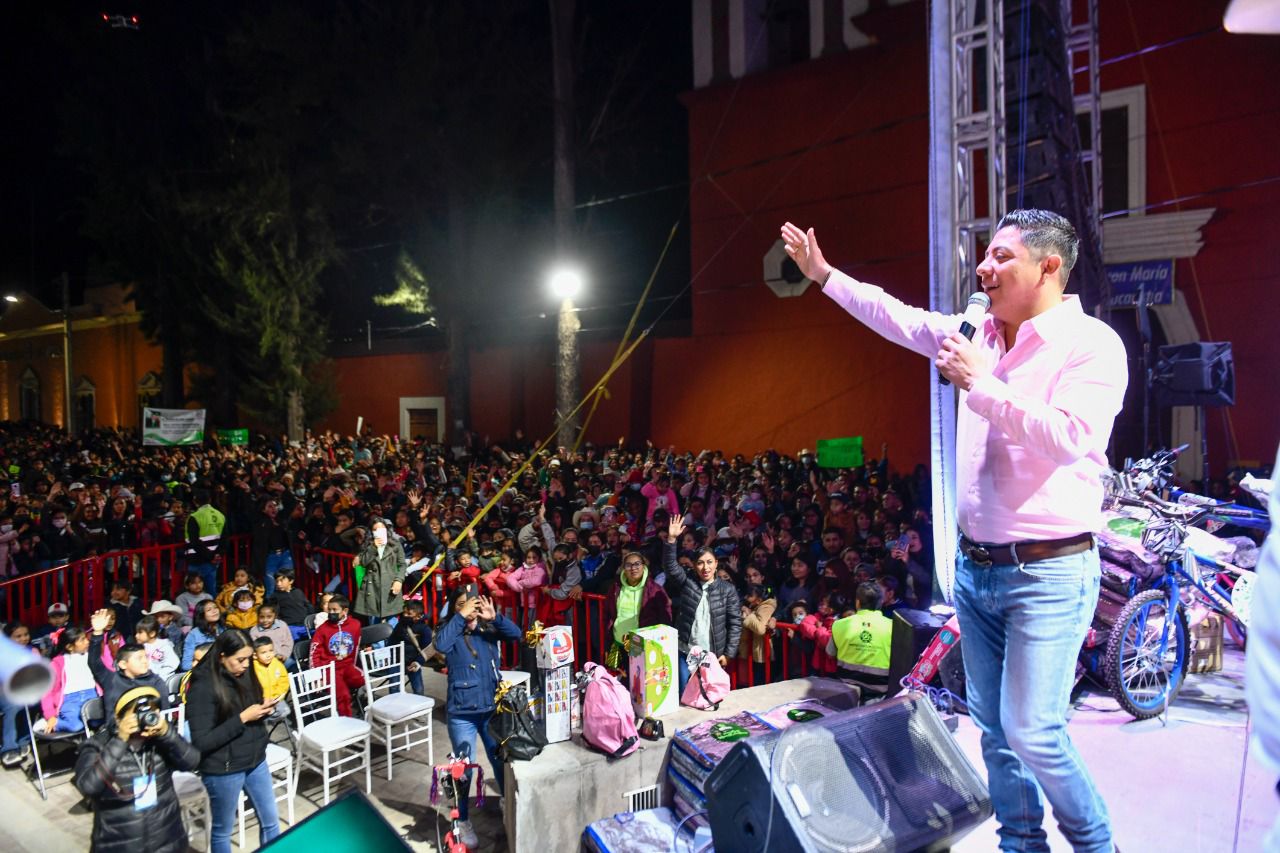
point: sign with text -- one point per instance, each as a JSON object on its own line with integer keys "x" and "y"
{"x": 170, "y": 427}
{"x": 840, "y": 452}
{"x": 1155, "y": 278}
{"x": 233, "y": 436}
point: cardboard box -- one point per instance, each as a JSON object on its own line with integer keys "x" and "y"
{"x": 652, "y": 670}
{"x": 556, "y": 702}
{"x": 1206, "y": 644}
{"x": 555, "y": 649}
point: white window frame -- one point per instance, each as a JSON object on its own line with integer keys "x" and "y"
{"x": 1134, "y": 98}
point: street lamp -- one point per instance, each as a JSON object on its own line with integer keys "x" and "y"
{"x": 566, "y": 284}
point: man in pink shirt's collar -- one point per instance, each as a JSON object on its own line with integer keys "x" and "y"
{"x": 1041, "y": 383}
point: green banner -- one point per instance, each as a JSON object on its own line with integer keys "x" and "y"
{"x": 840, "y": 452}
{"x": 233, "y": 436}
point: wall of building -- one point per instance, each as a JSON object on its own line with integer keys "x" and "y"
{"x": 113, "y": 357}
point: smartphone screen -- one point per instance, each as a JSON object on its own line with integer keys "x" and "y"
{"x": 15, "y": 489}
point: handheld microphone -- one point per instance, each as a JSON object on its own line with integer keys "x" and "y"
{"x": 974, "y": 310}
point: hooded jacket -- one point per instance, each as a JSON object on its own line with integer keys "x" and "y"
{"x": 114, "y": 683}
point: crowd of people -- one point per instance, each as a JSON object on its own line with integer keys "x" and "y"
{"x": 724, "y": 548}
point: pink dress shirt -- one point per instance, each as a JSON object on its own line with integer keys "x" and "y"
{"x": 1031, "y": 436}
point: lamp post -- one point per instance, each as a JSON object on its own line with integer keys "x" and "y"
{"x": 566, "y": 284}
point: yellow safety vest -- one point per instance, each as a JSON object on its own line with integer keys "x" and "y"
{"x": 863, "y": 642}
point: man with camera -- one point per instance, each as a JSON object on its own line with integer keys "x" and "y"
{"x": 126, "y": 771}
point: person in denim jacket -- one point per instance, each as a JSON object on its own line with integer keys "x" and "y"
{"x": 469, "y": 641}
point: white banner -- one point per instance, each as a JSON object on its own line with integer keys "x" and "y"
{"x": 168, "y": 427}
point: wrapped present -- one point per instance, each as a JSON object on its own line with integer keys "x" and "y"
{"x": 634, "y": 832}
{"x": 787, "y": 714}
{"x": 652, "y": 667}
{"x": 709, "y": 742}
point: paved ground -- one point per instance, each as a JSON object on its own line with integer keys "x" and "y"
{"x": 1185, "y": 784}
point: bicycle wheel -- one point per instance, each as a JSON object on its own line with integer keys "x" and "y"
{"x": 1146, "y": 660}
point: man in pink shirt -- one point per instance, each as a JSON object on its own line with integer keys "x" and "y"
{"x": 1040, "y": 386}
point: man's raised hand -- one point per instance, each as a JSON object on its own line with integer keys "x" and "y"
{"x": 802, "y": 247}
{"x": 674, "y": 528}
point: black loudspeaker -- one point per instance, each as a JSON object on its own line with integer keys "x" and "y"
{"x": 912, "y": 631}
{"x": 884, "y": 777}
{"x": 1199, "y": 374}
{"x": 951, "y": 669}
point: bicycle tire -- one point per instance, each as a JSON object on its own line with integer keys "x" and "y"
{"x": 1120, "y": 646}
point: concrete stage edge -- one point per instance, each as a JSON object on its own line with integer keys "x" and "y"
{"x": 551, "y": 799}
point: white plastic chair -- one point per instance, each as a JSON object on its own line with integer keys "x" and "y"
{"x": 193, "y": 797}
{"x": 320, "y": 732}
{"x": 398, "y": 718}
{"x": 278, "y": 759}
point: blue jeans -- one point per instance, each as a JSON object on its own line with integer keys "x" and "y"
{"x": 1021, "y": 627}
{"x": 208, "y": 571}
{"x": 683, "y": 670}
{"x": 69, "y": 712}
{"x": 276, "y": 562}
{"x": 224, "y": 796}
{"x": 11, "y": 713}
{"x": 463, "y": 729}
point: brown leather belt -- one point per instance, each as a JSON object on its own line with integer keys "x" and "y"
{"x": 985, "y": 554}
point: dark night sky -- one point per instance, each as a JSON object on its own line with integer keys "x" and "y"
{"x": 59, "y": 53}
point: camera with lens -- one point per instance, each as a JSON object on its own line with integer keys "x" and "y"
{"x": 147, "y": 711}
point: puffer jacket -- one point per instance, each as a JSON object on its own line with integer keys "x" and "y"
{"x": 722, "y": 598}
{"x": 226, "y": 745}
{"x": 118, "y": 827}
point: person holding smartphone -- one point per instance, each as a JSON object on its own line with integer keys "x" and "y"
{"x": 226, "y": 713}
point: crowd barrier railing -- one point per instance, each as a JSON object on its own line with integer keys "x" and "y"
{"x": 157, "y": 572}
{"x": 154, "y": 572}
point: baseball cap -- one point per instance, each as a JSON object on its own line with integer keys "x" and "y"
{"x": 58, "y": 609}
{"x": 74, "y": 486}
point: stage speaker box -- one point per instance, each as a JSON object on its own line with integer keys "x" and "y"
{"x": 1199, "y": 374}
{"x": 883, "y": 777}
{"x": 951, "y": 670}
{"x": 912, "y": 632}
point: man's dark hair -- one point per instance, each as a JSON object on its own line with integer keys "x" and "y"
{"x": 838, "y": 531}
{"x": 756, "y": 590}
{"x": 868, "y": 596}
{"x": 269, "y": 604}
{"x": 1045, "y": 232}
{"x": 285, "y": 573}
{"x": 414, "y": 606}
{"x": 262, "y": 642}
{"x": 340, "y": 600}
{"x": 122, "y": 584}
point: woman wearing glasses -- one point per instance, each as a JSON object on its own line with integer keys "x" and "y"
{"x": 637, "y": 601}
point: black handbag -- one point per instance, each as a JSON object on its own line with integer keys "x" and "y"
{"x": 512, "y": 724}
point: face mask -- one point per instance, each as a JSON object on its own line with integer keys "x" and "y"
{"x": 5, "y": 528}
{"x": 244, "y": 605}
{"x": 588, "y": 525}
{"x": 334, "y": 618}
{"x": 593, "y": 550}
{"x": 456, "y": 490}
{"x": 380, "y": 537}
{"x": 799, "y": 617}
{"x": 59, "y": 523}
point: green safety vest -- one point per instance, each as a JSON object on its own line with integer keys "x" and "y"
{"x": 863, "y": 642}
{"x": 209, "y": 523}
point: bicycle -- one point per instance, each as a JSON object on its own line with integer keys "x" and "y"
{"x": 1139, "y": 645}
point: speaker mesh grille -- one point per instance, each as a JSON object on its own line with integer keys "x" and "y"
{"x": 887, "y": 780}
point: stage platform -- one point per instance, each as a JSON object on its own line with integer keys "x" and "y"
{"x": 1185, "y": 785}
{"x": 551, "y": 798}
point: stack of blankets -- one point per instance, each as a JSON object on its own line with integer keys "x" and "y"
{"x": 697, "y": 750}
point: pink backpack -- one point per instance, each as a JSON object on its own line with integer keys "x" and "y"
{"x": 708, "y": 682}
{"x": 607, "y": 721}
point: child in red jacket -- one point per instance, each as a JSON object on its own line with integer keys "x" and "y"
{"x": 816, "y": 628}
{"x": 337, "y": 641}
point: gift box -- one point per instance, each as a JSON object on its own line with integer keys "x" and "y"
{"x": 557, "y": 702}
{"x": 651, "y": 670}
{"x": 636, "y": 832}
{"x": 555, "y": 648}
